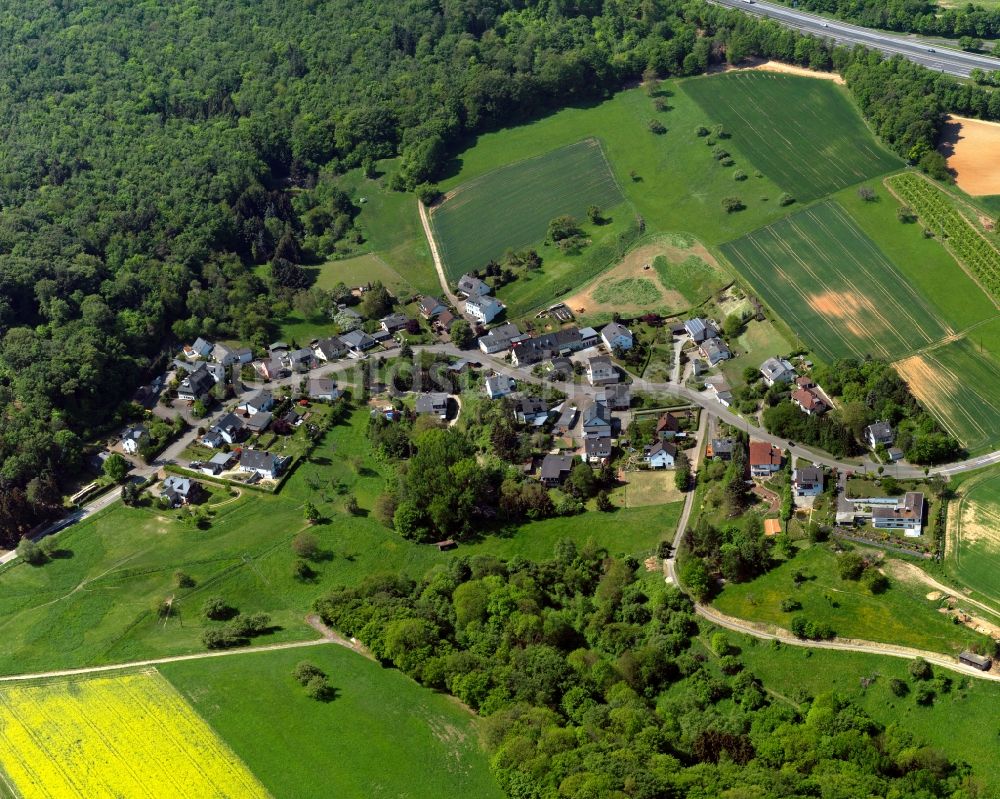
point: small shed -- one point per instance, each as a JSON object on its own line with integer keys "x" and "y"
{"x": 444, "y": 546}
{"x": 976, "y": 661}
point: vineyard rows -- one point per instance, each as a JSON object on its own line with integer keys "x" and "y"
{"x": 937, "y": 212}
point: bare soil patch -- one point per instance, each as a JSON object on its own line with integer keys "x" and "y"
{"x": 637, "y": 264}
{"x": 972, "y": 148}
{"x": 788, "y": 69}
{"x": 855, "y": 312}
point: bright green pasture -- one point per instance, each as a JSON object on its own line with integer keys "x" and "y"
{"x": 902, "y": 615}
{"x": 382, "y": 736}
{"x": 974, "y": 546}
{"x": 510, "y": 207}
{"x": 95, "y": 603}
{"x": 969, "y": 705}
{"x": 695, "y": 279}
{"x": 835, "y": 287}
{"x": 672, "y": 179}
{"x": 803, "y": 133}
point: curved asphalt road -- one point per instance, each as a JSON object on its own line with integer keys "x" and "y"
{"x": 932, "y": 56}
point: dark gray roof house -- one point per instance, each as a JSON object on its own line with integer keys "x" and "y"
{"x": 596, "y": 420}
{"x": 259, "y": 422}
{"x": 328, "y": 349}
{"x": 262, "y": 463}
{"x": 531, "y": 411}
{"x": 431, "y": 307}
{"x": 434, "y": 402}
{"x": 196, "y": 385}
{"x": 618, "y": 397}
{"x": 322, "y": 388}
{"x": 357, "y": 341}
{"x": 555, "y": 469}
{"x": 470, "y": 285}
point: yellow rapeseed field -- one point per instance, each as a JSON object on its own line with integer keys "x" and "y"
{"x": 131, "y": 736}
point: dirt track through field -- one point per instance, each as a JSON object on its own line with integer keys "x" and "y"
{"x": 972, "y": 147}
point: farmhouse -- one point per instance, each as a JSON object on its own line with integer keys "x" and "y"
{"x": 809, "y": 402}
{"x": 807, "y": 482}
{"x": 765, "y": 459}
{"x": 700, "y": 329}
{"x": 618, "y": 397}
{"x": 433, "y": 403}
{"x": 660, "y": 455}
{"x": 714, "y": 350}
{"x": 134, "y": 438}
{"x": 777, "y": 370}
{"x": 262, "y": 463}
{"x": 179, "y": 491}
{"x": 601, "y": 372}
{"x": 483, "y": 308}
{"x": 499, "y": 386}
{"x": 617, "y": 336}
{"x": 469, "y": 286}
{"x": 531, "y": 411}
{"x": 555, "y": 469}
{"x": 597, "y": 450}
{"x": 431, "y": 307}
{"x": 500, "y": 338}
{"x": 879, "y": 433}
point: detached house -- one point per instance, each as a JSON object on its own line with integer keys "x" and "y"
{"x": 261, "y": 401}
{"x": 394, "y": 322}
{"x": 907, "y": 515}
{"x": 228, "y": 430}
{"x": 601, "y": 372}
{"x": 431, "y": 307}
{"x": 196, "y": 385}
{"x": 433, "y": 403}
{"x": 596, "y": 420}
{"x": 765, "y": 459}
{"x": 720, "y": 449}
{"x": 329, "y": 349}
{"x": 597, "y": 450}
{"x": 618, "y": 396}
{"x": 357, "y": 343}
{"x": 200, "y": 349}
{"x": 502, "y": 337}
{"x": 261, "y": 463}
{"x": 879, "y": 433}
{"x": 469, "y": 286}
{"x": 807, "y": 482}
{"x": 777, "y": 370}
{"x": 134, "y": 438}
{"x": 700, "y": 329}
{"x": 179, "y": 491}
{"x": 714, "y": 350}
{"x": 809, "y": 402}
{"x": 499, "y": 386}
{"x": 667, "y": 426}
{"x": 555, "y": 469}
{"x": 617, "y": 336}
{"x": 322, "y": 388}
{"x": 531, "y": 411}
{"x": 483, "y": 308}
{"x": 660, "y": 455}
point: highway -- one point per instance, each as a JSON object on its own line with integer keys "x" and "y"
{"x": 932, "y": 56}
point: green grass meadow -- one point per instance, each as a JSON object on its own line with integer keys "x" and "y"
{"x": 902, "y": 615}
{"x": 382, "y": 736}
{"x": 693, "y": 278}
{"x": 511, "y": 206}
{"x": 96, "y": 603}
{"x": 973, "y": 554}
{"x": 833, "y": 285}
{"x": 803, "y": 133}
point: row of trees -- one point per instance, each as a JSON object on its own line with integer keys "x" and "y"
{"x": 571, "y": 659}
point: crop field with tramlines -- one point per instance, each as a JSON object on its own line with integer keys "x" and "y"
{"x": 511, "y": 206}
{"x": 834, "y": 287}
{"x": 802, "y": 133}
{"x": 936, "y": 210}
{"x": 130, "y": 736}
{"x": 973, "y": 551}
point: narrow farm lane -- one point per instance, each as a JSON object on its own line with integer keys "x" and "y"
{"x": 435, "y": 255}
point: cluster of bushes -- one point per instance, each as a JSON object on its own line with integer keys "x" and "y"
{"x": 804, "y": 627}
{"x": 851, "y": 566}
{"x": 591, "y": 687}
{"x": 315, "y": 682}
{"x": 237, "y": 629}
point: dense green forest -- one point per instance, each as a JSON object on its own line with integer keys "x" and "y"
{"x": 154, "y": 154}
{"x": 595, "y": 685}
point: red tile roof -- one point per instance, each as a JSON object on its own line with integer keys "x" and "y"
{"x": 763, "y": 454}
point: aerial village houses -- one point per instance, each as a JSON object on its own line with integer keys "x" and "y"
{"x": 500, "y": 338}
{"x": 667, "y": 426}
{"x": 200, "y": 349}
{"x": 499, "y": 386}
{"x": 879, "y": 433}
{"x": 322, "y": 388}
{"x": 904, "y": 513}
{"x": 431, "y": 307}
{"x": 228, "y": 430}
{"x": 660, "y": 455}
{"x": 714, "y": 350}
{"x": 765, "y": 459}
{"x": 617, "y": 337}
{"x": 597, "y": 450}
{"x": 618, "y": 396}
{"x": 555, "y": 469}
{"x": 469, "y": 286}
{"x": 357, "y": 342}
{"x": 393, "y": 322}
{"x": 777, "y": 370}
{"x": 531, "y": 411}
{"x": 483, "y": 308}
{"x": 263, "y": 400}
{"x": 329, "y": 349}
{"x": 179, "y": 491}
{"x": 601, "y": 372}
{"x": 434, "y": 403}
{"x": 809, "y": 402}
{"x": 261, "y": 463}
{"x": 596, "y": 420}
{"x": 134, "y": 438}
{"x": 195, "y": 385}
{"x": 701, "y": 329}
{"x": 807, "y": 481}
{"x": 720, "y": 449}
{"x": 549, "y": 345}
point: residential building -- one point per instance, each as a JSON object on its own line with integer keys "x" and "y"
{"x": 601, "y": 372}
{"x": 777, "y": 370}
{"x": 300, "y": 360}
{"x": 263, "y": 400}
{"x": 502, "y": 337}
{"x": 195, "y": 385}
{"x": 562, "y": 369}
{"x": 555, "y": 469}
{"x": 807, "y": 482}
{"x": 218, "y": 463}
{"x": 805, "y": 382}
{"x": 660, "y": 455}
{"x": 329, "y": 349}
{"x": 765, "y": 459}
{"x": 700, "y": 329}
{"x": 617, "y": 336}
{"x": 667, "y": 426}
{"x": 394, "y": 322}
{"x": 906, "y": 515}
{"x": 271, "y": 368}
{"x": 243, "y": 356}
{"x": 722, "y": 393}
{"x": 499, "y": 386}
{"x": 597, "y": 450}
{"x": 531, "y": 411}
{"x": 483, "y": 308}
{"x": 228, "y": 430}
{"x": 714, "y": 350}
{"x": 596, "y": 420}
{"x": 259, "y": 422}
{"x": 618, "y": 397}
{"x": 134, "y": 438}
{"x": 810, "y": 402}
{"x": 180, "y": 490}
{"x": 469, "y": 286}
{"x": 262, "y": 463}
{"x": 879, "y": 433}
{"x": 529, "y": 351}
{"x": 566, "y": 420}
{"x": 434, "y": 403}
{"x": 217, "y": 372}
{"x": 588, "y": 338}
{"x": 357, "y": 343}
{"x": 431, "y": 307}
{"x": 200, "y": 349}
{"x": 322, "y": 388}
{"x": 445, "y": 320}
{"x": 720, "y": 449}
{"x": 223, "y": 354}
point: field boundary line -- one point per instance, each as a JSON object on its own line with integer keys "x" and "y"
{"x": 435, "y": 254}
{"x": 134, "y": 664}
